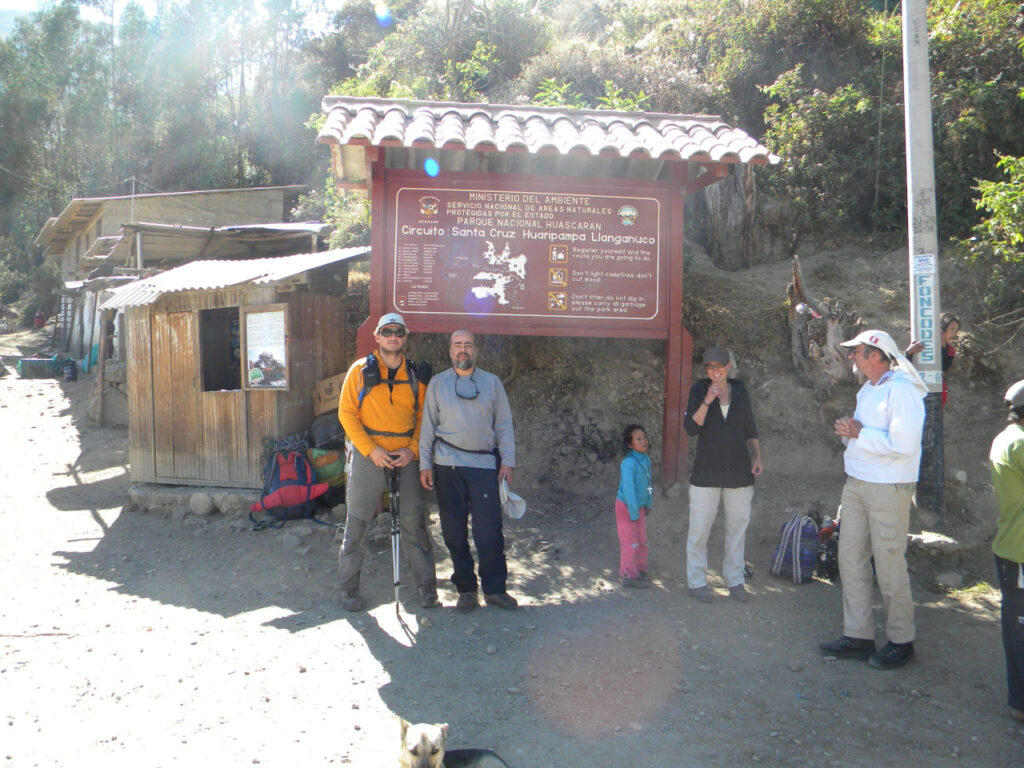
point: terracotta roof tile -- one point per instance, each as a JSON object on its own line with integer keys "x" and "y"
{"x": 538, "y": 130}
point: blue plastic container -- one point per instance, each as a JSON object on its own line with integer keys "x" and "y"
{"x": 40, "y": 367}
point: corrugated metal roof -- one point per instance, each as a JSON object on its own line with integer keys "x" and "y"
{"x": 537, "y": 130}
{"x": 211, "y": 275}
{"x": 60, "y": 230}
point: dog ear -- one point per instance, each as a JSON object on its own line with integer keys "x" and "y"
{"x": 444, "y": 729}
{"x": 403, "y": 724}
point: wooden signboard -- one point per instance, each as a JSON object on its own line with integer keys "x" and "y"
{"x": 562, "y": 257}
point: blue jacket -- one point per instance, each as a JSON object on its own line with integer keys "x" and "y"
{"x": 635, "y": 482}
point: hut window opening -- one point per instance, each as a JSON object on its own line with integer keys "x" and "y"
{"x": 220, "y": 348}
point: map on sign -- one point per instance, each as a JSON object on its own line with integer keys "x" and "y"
{"x": 506, "y": 275}
{"x": 544, "y": 253}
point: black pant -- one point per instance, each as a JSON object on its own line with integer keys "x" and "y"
{"x": 465, "y": 491}
{"x": 1013, "y": 629}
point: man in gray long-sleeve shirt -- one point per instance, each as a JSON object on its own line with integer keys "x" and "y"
{"x": 466, "y": 417}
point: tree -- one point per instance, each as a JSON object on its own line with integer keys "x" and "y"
{"x": 996, "y": 250}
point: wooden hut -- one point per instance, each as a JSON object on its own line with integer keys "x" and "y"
{"x": 223, "y": 354}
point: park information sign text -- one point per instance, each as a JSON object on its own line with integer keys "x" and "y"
{"x": 554, "y": 254}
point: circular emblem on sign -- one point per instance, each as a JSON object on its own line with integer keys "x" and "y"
{"x": 627, "y": 215}
{"x": 429, "y": 206}
{"x": 255, "y": 376}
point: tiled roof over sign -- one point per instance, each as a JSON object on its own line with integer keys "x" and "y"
{"x": 537, "y": 130}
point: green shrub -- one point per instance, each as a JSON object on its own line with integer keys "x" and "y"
{"x": 996, "y": 249}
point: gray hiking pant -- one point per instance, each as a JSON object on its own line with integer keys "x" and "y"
{"x": 366, "y": 483}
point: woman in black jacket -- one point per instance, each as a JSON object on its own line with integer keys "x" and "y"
{"x": 728, "y": 459}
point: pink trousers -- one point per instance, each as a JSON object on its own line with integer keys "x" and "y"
{"x": 632, "y": 542}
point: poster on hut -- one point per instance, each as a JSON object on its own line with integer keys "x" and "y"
{"x": 551, "y": 256}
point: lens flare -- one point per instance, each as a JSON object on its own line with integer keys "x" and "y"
{"x": 383, "y": 14}
{"x": 431, "y": 167}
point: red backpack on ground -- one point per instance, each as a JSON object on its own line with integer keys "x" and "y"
{"x": 288, "y": 491}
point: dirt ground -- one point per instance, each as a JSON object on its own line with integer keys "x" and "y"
{"x": 149, "y": 640}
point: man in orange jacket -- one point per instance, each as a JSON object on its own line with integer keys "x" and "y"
{"x": 380, "y": 409}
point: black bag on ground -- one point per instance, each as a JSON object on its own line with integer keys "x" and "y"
{"x": 326, "y": 432}
{"x": 828, "y": 552}
{"x": 796, "y": 555}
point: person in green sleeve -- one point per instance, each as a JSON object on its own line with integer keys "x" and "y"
{"x": 1006, "y": 461}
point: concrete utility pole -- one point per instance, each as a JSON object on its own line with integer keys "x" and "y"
{"x": 923, "y": 246}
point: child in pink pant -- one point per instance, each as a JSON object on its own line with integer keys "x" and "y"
{"x": 632, "y": 504}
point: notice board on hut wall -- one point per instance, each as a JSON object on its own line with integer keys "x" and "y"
{"x": 561, "y": 256}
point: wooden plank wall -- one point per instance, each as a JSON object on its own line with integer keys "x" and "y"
{"x": 163, "y": 414}
{"x": 142, "y": 467}
{"x": 183, "y": 396}
{"x": 317, "y": 350}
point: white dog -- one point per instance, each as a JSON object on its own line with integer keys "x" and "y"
{"x": 423, "y": 747}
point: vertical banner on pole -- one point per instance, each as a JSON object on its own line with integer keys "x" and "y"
{"x": 923, "y": 248}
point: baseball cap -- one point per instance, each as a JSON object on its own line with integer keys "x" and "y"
{"x": 883, "y": 341}
{"x": 879, "y": 339}
{"x": 391, "y": 318}
{"x": 718, "y": 355}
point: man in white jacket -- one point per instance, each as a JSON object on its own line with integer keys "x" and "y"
{"x": 882, "y": 459}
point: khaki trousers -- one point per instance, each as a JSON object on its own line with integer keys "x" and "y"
{"x": 874, "y": 522}
{"x": 366, "y": 483}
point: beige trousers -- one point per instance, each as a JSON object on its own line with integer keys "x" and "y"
{"x": 874, "y": 521}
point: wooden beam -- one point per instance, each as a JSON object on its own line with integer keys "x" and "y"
{"x": 713, "y": 172}
{"x": 378, "y": 217}
{"x": 677, "y": 351}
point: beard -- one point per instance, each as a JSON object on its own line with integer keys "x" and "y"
{"x": 463, "y": 363}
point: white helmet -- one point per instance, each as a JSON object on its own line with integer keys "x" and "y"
{"x": 1014, "y": 397}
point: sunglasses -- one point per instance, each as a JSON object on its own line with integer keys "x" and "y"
{"x": 471, "y": 380}
{"x": 399, "y": 332}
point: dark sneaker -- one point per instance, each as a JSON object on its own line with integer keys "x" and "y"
{"x": 848, "y": 648}
{"x": 428, "y": 597}
{"x": 739, "y": 593}
{"x": 892, "y": 655}
{"x": 635, "y": 582}
{"x": 643, "y": 576}
{"x": 504, "y": 601}
{"x": 467, "y": 602}
{"x": 351, "y": 600}
{"x": 701, "y": 594}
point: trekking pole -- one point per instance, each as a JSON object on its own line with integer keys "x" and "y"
{"x": 392, "y": 476}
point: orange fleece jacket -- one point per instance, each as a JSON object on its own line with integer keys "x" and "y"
{"x": 383, "y": 410}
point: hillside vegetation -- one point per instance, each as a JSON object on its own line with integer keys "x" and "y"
{"x": 225, "y": 93}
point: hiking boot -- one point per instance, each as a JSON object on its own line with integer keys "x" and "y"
{"x": 635, "y": 582}
{"x": 739, "y": 593}
{"x": 701, "y": 594}
{"x": 467, "y": 602}
{"x": 504, "y": 600}
{"x": 892, "y": 655}
{"x": 848, "y": 648}
{"x": 428, "y": 597}
{"x": 351, "y": 600}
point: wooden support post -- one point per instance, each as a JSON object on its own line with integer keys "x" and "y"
{"x": 378, "y": 217}
{"x": 678, "y": 347}
{"x": 101, "y": 366}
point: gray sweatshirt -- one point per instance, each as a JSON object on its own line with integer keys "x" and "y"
{"x": 477, "y": 424}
